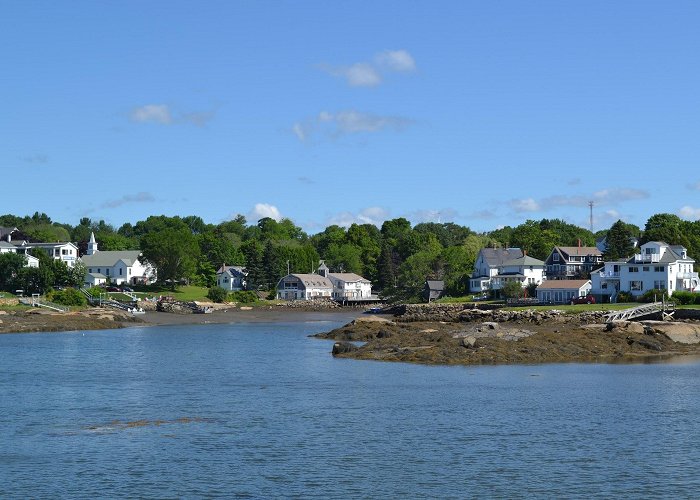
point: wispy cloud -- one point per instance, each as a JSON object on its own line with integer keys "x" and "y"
{"x": 574, "y": 182}
{"x": 431, "y": 215}
{"x": 347, "y": 122}
{"x": 141, "y": 197}
{"x": 152, "y": 113}
{"x": 161, "y": 114}
{"x": 690, "y": 213}
{"x": 306, "y": 180}
{"x": 263, "y": 210}
{"x": 603, "y": 197}
{"x": 482, "y": 215}
{"x": 694, "y": 186}
{"x": 35, "y": 159}
{"x": 370, "y": 215}
{"x": 371, "y": 73}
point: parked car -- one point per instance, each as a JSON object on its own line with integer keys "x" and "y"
{"x": 584, "y": 299}
{"x": 125, "y": 288}
{"x": 113, "y": 289}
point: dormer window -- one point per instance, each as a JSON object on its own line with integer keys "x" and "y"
{"x": 555, "y": 257}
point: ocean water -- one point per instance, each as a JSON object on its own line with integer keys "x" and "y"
{"x": 262, "y": 411}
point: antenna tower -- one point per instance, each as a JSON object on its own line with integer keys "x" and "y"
{"x": 590, "y": 205}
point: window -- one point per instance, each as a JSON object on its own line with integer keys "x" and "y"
{"x": 635, "y": 286}
{"x": 645, "y": 269}
{"x": 120, "y": 271}
{"x": 658, "y": 269}
{"x": 555, "y": 257}
{"x": 660, "y": 285}
{"x": 107, "y": 272}
{"x": 634, "y": 269}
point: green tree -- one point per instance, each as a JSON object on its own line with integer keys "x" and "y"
{"x": 512, "y": 290}
{"x": 618, "y": 242}
{"x": 666, "y": 228}
{"x": 172, "y": 252}
{"x": 10, "y": 266}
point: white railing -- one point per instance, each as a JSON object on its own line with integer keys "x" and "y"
{"x": 647, "y": 257}
{"x": 609, "y": 274}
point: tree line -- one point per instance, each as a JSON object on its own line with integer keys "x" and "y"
{"x": 397, "y": 257}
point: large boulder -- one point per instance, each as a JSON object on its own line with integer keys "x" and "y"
{"x": 343, "y": 347}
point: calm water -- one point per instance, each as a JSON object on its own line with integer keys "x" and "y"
{"x": 260, "y": 411}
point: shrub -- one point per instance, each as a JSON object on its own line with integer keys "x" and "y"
{"x": 217, "y": 294}
{"x": 683, "y": 297}
{"x": 244, "y": 297}
{"x": 67, "y": 297}
{"x": 654, "y": 295}
{"x": 625, "y": 297}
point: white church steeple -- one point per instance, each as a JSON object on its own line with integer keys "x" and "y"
{"x": 92, "y": 245}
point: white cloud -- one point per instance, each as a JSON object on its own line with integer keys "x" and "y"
{"x": 396, "y": 60}
{"x": 262, "y": 210}
{"x": 525, "y": 205}
{"x": 429, "y": 215}
{"x": 154, "y": 113}
{"x": 346, "y": 123}
{"x": 163, "y": 115}
{"x": 690, "y": 213}
{"x": 371, "y": 74}
{"x": 614, "y": 196}
{"x": 370, "y": 215}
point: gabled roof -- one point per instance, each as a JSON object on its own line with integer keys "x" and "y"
{"x": 579, "y": 251}
{"x": 435, "y": 284}
{"x": 495, "y": 257}
{"x": 55, "y": 244}
{"x": 348, "y": 277}
{"x": 110, "y": 258}
{"x": 232, "y": 270}
{"x": 525, "y": 260}
{"x": 98, "y": 275}
{"x": 5, "y": 244}
{"x": 570, "y": 284}
{"x": 311, "y": 280}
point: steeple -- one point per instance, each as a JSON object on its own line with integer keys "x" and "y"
{"x": 92, "y": 245}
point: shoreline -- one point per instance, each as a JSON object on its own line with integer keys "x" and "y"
{"x": 41, "y": 321}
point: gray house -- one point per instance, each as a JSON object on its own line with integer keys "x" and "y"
{"x": 433, "y": 289}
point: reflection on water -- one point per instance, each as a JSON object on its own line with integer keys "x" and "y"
{"x": 261, "y": 410}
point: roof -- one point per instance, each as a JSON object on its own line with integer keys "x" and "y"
{"x": 348, "y": 277}
{"x": 570, "y": 284}
{"x": 55, "y": 244}
{"x": 435, "y": 284}
{"x": 5, "y": 244}
{"x": 4, "y": 231}
{"x": 98, "y": 275}
{"x": 311, "y": 280}
{"x": 110, "y": 258}
{"x": 525, "y": 260}
{"x": 495, "y": 257}
{"x": 580, "y": 251}
{"x": 231, "y": 270}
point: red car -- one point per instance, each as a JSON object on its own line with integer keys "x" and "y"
{"x": 584, "y": 299}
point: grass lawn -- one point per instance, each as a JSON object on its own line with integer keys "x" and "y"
{"x": 185, "y": 293}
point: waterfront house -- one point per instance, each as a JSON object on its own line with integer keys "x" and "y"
{"x": 487, "y": 264}
{"x": 304, "y": 287}
{"x": 64, "y": 251}
{"x": 117, "y": 266}
{"x": 525, "y": 270}
{"x": 562, "y": 291}
{"x": 347, "y": 286}
{"x": 231, "y": 278}
{"x": 657, "y": 266}
{"x": 433, "y": 290}
{"x": 30, "y": 260}
{"x": 572, "y": 262}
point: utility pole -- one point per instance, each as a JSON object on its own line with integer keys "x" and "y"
{"x": 590, "y": 205}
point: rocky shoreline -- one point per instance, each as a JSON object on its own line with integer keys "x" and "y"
{"x": 466, "y": 335}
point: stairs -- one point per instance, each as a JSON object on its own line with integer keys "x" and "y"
{"x": 666, "y": 310}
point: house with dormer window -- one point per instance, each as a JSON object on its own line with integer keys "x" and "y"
{"x": 231, "y": 278}
{"x": 572, "y": 262}
{"x": 657, "y": 266}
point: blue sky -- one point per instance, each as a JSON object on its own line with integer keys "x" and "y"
{"x": 481, "y": 113}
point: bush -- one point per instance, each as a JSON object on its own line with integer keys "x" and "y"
{"x": 625, "y": 297}
{"x": 67, "y": 297}
{"x": 247, "y": 297}
{"x": 217, "y": 294}
{"x": 683, "y": 297}
{"x": 654, "y": 294}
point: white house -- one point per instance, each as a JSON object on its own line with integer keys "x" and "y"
{"x": 526, "y": 270}
{"x": 304, "y": 287}
{"x": 562, "y": 291}
{"x": 487, "y": 264}
{"x": 6, "y": 247}
{"x": 657, "y": 266}
{"x": 121, "y": 266}
{"x": 231, "y": 278}
{"x": 347, "y": 286}
{"x": 63, "y": 251}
